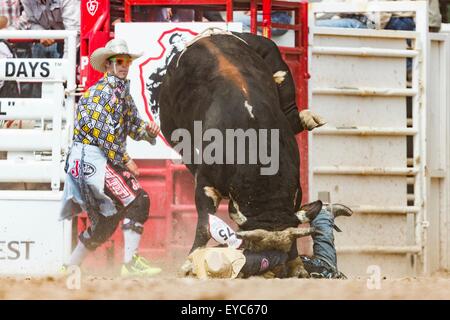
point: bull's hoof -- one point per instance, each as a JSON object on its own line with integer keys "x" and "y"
{"x": 186, "y": 269}
{"x": 296, "y": 269}
{"x": 303, "y": 273}
{"x": 269, "y": 275}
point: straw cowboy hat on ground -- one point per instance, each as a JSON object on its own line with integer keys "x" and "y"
{"x": 222, "y": 263}
{"x": 113, "y": 48}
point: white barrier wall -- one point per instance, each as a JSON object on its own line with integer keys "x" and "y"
{"x": 372, "y": 153}
{"x": 32, "y": 239}
{"x": 438, "y": 136}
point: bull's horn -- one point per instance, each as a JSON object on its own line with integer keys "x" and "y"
{"x": 256, "y": 234}
{"x": 302, "y": 232}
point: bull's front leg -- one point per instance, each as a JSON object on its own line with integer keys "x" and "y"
{"x": 207, "y": 200}
{"x": 295, "y": 267}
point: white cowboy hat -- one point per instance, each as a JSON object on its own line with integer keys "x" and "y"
{"x": 224, "y": 263}
{"x": 113, "y": 47}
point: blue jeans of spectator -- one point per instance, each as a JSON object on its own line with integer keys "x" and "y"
{"x": 401, "y": 23}
{"x": 40, "y": 51}
{"x": 405, "y": 24}
{"x": 281, "y": 17}
{"x": 341, "y": 23}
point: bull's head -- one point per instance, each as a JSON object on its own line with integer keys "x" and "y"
{"x": 259, "y": 239}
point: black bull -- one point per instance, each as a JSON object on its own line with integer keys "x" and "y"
{"x": 214, "y": 81}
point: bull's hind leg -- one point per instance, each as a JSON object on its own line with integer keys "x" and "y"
{"x": 207, "y": 199}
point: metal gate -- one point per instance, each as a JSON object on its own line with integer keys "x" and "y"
{"x": 32, "y": 239}
{"x": 372, "y": 154}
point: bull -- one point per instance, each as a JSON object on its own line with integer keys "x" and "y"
{"x": 222, "y": 83}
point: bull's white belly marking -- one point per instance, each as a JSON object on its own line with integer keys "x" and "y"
{"x": 212, "y": 193}
{"x": 278, "y": 76}
{"x": 249, "y": 109}
{"x": 301, "y": 216}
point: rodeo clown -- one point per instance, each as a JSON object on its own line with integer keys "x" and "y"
{"x": 231, "y": 259}
{"x": 100, "y": 175}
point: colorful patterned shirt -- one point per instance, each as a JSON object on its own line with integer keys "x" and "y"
{"x": 106, "y": 115}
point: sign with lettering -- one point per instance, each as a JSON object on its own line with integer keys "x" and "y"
{"x": 32, "y": 239}
{"x": 158, "y": 42}
{"x": 32, "y": 69}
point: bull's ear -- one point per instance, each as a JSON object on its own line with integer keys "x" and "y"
{"x": 309, "y": 211}
{"x": 253, "y": 235}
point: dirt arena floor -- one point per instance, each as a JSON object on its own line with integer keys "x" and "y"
{"x": 172, "y": 287}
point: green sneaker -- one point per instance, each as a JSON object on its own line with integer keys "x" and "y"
{"x": 63, "y": 270}
{"x": 139, "y": 266}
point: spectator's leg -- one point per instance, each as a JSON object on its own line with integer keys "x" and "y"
{"x": 445, "y": 9}
{"x": 405, "y": 24}
{"x": 281, "y": 17}
{"x": 23, "y": 50}
{"x": 240, "y": 16}
{"x": 157, "y": 14}
{"x": 341, "y": 23}
{"x": 183, "y": 15}
{"x": 401, "y": 23}
{"x": 38, "y": 51}
{"x": 213, "y": 16}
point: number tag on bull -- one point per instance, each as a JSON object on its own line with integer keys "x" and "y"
{"x": 223, "y": 233}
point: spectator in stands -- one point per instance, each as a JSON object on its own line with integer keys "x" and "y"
{"x": 48, "y": 15}
{"x": 10, "y": 9}
{"x": 282, "y": 17}
{"x": 382, "y": 20}
{"x": 160, "y": 14}
{"x": 445, "y": 10}
{"x": 435, "y": 16}
{"x": 8, "y": 89}
{"x": 181, "y": 15}
{"x": 213, "y": 16}
{"x": 149, "y": 14}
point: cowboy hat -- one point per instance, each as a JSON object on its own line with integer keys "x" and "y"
{"x": 113, "y": 48}
{"x": 224, "y": 263}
